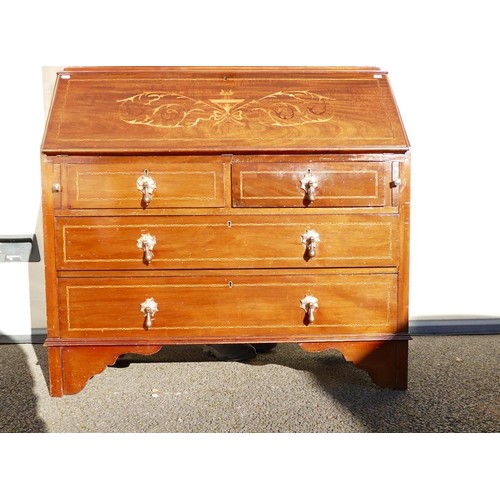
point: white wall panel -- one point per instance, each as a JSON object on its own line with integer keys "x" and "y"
{"x": 442, "y": 62}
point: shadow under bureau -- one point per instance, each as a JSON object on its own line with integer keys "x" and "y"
{"x": 205, "y": 205}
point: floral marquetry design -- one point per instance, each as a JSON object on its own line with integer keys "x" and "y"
{"x": 173, "y": 110}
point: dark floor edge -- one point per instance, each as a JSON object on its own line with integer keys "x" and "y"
{"x": 38, "y": 336}
{"x": 489, "y": 326}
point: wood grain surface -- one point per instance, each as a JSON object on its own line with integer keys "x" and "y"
{"x": 226, "y": 174}
{"x": 222, "y": 110}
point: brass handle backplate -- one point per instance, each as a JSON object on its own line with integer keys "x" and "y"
{"x": 149, "y": 308}
{"x": 310, "y": 240}
{"x": 146, "y": 243}
{"x": 309, "y": 184}
{"x": 309, "y": 303}
{"x": 146, "y": 185}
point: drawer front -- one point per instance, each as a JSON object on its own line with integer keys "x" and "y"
{"x": 187, "y": 182}
{"x": 194, "y": 242}
{"x": 228, "y": 307}
{"x": 334, "y": 184}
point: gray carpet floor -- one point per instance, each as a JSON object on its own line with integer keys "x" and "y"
{"x": 453, "y": 388}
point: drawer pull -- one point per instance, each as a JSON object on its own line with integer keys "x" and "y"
{"x": 309, "y": 184}
{"x": 146, "y": 243}
{"x": 309, "y": 303}
{"x": 149, "y": 308}
{"x": 146, "y": 185}
{"x": 310, "y": 240}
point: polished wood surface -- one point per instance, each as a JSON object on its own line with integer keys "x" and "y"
{"x": 201, "y": 242}
{"x": 224, "y": 110}
{"x": 340, "y": 184}
{"x": 191, "y": 188}
{"x": 206, "y": 309}
{"x": 112, "y": 182}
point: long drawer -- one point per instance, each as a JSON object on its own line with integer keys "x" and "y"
{"x": 194, "y": 242}
{"x": 239, "y": 306}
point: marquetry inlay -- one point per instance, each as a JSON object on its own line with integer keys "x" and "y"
{"x": 173, "y": 110}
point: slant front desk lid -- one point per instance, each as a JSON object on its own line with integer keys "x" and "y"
{"x": 150, "y": 110}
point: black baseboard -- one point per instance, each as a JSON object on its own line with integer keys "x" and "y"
{"x": 38, "y": 336}
{"x": 490, "y": 326}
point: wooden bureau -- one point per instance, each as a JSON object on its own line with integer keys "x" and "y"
{"x": 225, "y": 205}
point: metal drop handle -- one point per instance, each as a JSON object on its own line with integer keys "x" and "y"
{"x": 309, "y": 184}
{"x": 309, "y": 303}
{"x": 149, "y": 308}
{"x": 310, "y": 240}
{"x": 146, "y": 243}
{"x": 146, "y": 184}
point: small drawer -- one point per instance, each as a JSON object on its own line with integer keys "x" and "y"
{"x": 143, "y": 182}
{"x": 292, "y": 307}
{"x": 204, "y": 242}
{"x": 317, "y": 184}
